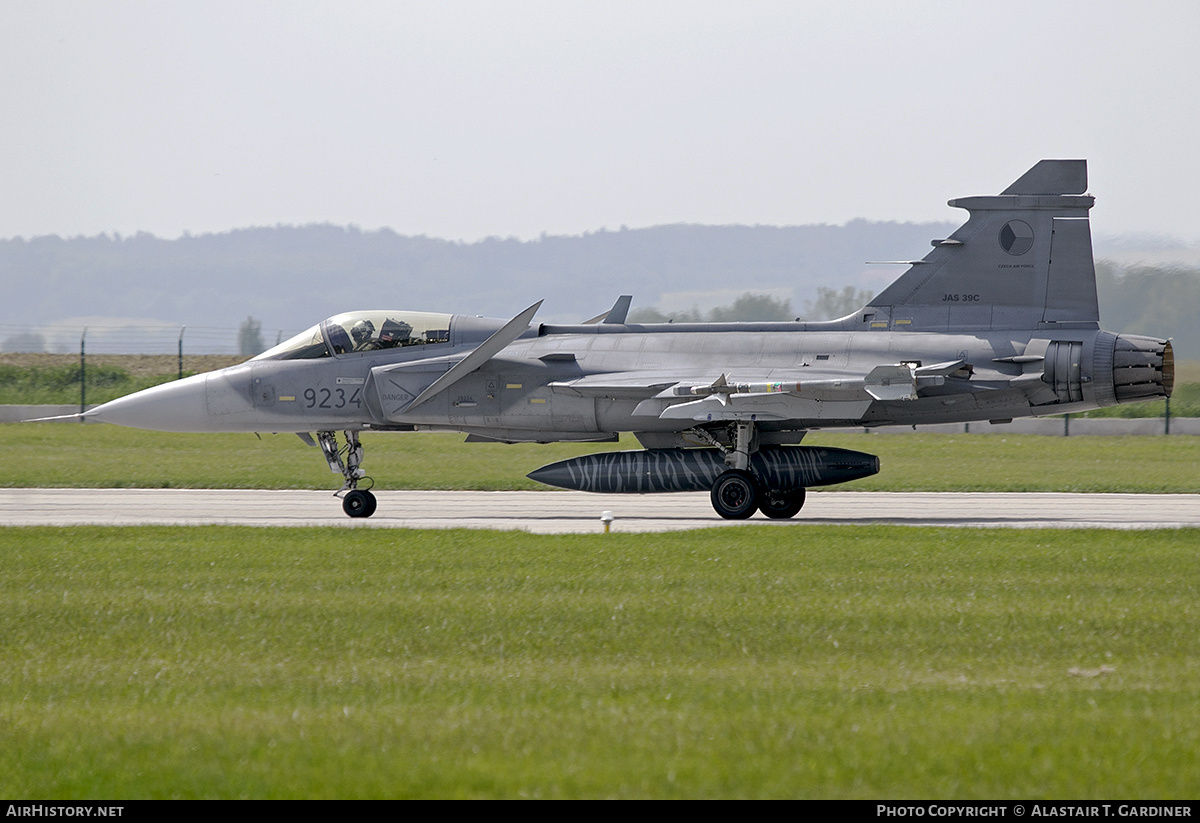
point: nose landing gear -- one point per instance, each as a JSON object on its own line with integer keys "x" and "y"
{"x": 346, "y": 461}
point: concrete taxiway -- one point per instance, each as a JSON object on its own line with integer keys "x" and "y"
{"x": 563, "y": 512}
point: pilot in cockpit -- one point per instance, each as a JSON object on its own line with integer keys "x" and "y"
{"x": 361, "y": 332}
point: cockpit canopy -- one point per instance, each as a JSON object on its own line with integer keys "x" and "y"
{"x": 363, "y": 331}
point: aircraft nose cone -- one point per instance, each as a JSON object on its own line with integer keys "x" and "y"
{"x": 172, "y": 407}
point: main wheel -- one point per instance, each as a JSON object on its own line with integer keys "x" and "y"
{"x": 735, "y": 495}
{"x": 780, "y": 505}
{"x": 359, "y": 503}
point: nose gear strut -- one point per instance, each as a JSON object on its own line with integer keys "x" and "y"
{"x": 347, "y": 461}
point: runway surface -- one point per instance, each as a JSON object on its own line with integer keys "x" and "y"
{"x": 563, "y": 512}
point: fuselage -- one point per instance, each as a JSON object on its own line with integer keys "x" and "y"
{"x": 550, "y": 383}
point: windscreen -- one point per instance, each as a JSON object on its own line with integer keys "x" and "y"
{"x": 304, "y": 346}
{"x": 363, "y": 331}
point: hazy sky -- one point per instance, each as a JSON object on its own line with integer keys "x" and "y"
{"x": 468, "y": 119}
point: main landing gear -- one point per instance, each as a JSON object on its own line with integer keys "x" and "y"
{"x": 347, "y": 460}
{"x": 780, "y": 505}
{"x": 736, "y": 494}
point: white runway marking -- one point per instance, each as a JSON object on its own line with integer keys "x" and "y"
{"x": 564, "y": 512}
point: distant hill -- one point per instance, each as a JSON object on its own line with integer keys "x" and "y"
{"x": 288, "y": 278}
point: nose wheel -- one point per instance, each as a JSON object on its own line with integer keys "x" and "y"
{"x": 359, "y": 503}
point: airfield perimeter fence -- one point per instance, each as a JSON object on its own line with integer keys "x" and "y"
{"x": 171, "y": 346}
{"x": 108, "y": 337}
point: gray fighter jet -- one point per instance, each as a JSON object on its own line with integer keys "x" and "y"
{"x": 998, "y": 321}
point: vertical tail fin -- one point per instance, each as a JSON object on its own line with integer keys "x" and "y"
{"x": 1021, "y": 261}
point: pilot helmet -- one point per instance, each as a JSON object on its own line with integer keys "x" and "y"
{"x": 362, "y": 331}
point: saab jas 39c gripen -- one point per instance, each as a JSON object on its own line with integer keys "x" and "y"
{"x": 998, "y": 321}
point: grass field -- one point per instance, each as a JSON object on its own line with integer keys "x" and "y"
{"x": 27, "y": 379}
{"x": 99, "y": 456}
{"x": 748, "y": 662}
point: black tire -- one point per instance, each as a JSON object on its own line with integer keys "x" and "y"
{"x": 359, "y": 503}
{"x": 780, "y": 505}
{"x": 735, "y": 495}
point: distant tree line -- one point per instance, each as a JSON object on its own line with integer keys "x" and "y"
{"x": 829, "y": 304}
{"x": 1158, "y": 301}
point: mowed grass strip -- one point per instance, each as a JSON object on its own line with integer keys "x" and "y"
{"x": 101, "y": 456}
{"x": 747, "y": 662}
